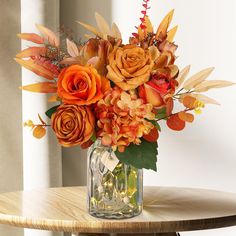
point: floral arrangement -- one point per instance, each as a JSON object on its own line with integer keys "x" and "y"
{"x": 104, "y": 88}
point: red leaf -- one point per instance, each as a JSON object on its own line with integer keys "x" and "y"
{"x": 142, "y": 19}
{"x": 175, "y": 123}
{"x": 152, "y": 136}
{"x": 143, "y": 26}
{"x": 135, "y": 35}
{"x": 169, "y": 106}
{"x": 144, "y": 12}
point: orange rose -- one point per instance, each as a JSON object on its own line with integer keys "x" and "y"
{"x": 157, "y": 88}
{"x": 81, "y": 85}
{"x": 73, "y": 125}
{"x": 129, "y": 66}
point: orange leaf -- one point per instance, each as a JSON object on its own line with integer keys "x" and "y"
{"x": 43, "y": 87}
{"x": 37, "y": 69}
{"x": 186, "y": 116}
{"x": 39, "y": 132}
{"x": 152, "y": 136}
{"x": 175, "y": 123}
{"x": 54, "y": 98}
{"x": 189, "y": 102}
{"x": 32, "y": 51}
{"x": 35, "y": 38}
{"x": 49, "y": 35}
{"x": 171, "y": 34}
{"x": 162, "y": 29}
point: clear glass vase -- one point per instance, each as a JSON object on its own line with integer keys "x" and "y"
{"x": 116, "y": 194}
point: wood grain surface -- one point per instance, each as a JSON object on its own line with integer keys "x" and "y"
{"x": 166, "y": 209}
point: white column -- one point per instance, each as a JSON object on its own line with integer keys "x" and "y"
{"x": 41, "y": 158}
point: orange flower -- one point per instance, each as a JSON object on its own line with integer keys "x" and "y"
{"x": 81, "y": 85}
{"x": 129, "y": 66}
{"x": 157, "y": 89}
{"x": 122, "y": 118}
{"x": 73, "y": 125}
{"x": 95, "y": 52}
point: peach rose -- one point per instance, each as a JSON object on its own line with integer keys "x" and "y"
{"x": 73, "y": 125}
{"x": 81, "y": 85}
{"x": 129, "y": 66}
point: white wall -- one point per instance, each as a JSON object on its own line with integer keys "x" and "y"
{"x": 204, "y": 154}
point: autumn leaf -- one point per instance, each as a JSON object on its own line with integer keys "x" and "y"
{"x": 115, "y": 32}
{"x": 175, "y": 123}
{"x": 43, "y": 87}
{"x": 169, "y": 106}
{"x": 37, "y": 69}
{"x": 54, "y": 98}
{"x": 189, "y": 102}
{"x": 140, "y": 34}
{"x": 197, "y": 79}
{"x": 49, "y": 35}
{"x": 148, "y": 24}
{"x": 162, "y": 29}
{"x": 182, "y": 75}
{"x": 73, "y": 60}
{"x": 32, "y": 51}
{"x": 205, "y": 99}
{"x": 171, "y": 34}
{"x": 154, "y": 52}
{"x": 152, "y": 136}
{"x": 206, "y": 85}
{"x": 185, "y": 116}
{"x": 39, "y": 132}
{"x": 72, "y": 48}
{"x": 35, "y": 38}
{"x": 91, "y": 29}
{"x": 102, "y": 25}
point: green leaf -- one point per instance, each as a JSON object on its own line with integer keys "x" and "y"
{"x": 161, "y": 114}
{"x": 51, "y": 111}
{"x": 154, "y": 122}
{"x": 140, "y": 156}
{"x": 93, "y": 138}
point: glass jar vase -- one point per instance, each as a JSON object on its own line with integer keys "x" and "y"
{"x": 112, "y": 194}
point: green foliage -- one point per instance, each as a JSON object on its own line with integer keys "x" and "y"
{"x": 140, "y": 156}
{"x": 51, "y": 111}
{"x": 154, "y": 122}
{"x": 161, "y": 114}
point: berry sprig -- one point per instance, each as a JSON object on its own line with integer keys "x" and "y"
{"x": 144, "y": 12}
{"x": 142, "y": 18}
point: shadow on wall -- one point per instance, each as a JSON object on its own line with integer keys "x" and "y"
{"x": 74, "y": 159}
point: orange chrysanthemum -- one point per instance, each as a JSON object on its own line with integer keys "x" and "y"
{"x": 122, "y": 118}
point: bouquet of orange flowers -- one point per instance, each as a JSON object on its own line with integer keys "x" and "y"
{"x": 114, "y": 91}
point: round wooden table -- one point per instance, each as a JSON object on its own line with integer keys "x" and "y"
{"x": 167, "y": 210}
